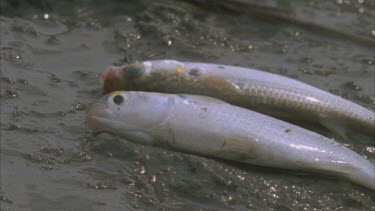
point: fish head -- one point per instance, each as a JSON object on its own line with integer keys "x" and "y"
{"x": 134, "y": 76}
{"x": 115, "y": 78}
{"x": 127, "y": 113}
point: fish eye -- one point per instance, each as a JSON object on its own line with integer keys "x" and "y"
{"x": 118, "y": 99}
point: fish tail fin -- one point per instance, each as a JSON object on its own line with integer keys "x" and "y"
{"x": 364, "y": 176}
{"x": 362, "y": 172}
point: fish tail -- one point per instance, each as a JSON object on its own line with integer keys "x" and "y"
{"x": 364, "y": 177}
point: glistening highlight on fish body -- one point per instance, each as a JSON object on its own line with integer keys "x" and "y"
{"x": 260, "y": 91}
{"x": 211, "y": 127}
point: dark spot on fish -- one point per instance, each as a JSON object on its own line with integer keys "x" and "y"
{"x": 204, "y": 109}
{"x": 288, "y": 130}
{"x": 194, "y": 72}
{"x": 132, "y": 72}
{"x": 118, "y": 99}
{"x": 221, "y": 67}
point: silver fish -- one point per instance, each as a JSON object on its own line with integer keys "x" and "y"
{"x": 267, "y": 93}
{"x": 210, "y": 127}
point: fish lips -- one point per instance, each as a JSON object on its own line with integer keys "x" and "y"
{"x": 96, "y": 115}
{"x": 106, "y": 78}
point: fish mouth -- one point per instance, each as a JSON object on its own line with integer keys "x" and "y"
{"x": 104, "y": 74}
{"x": 112, "y": 78}
{"x": 94, "y": 116}
{"x": 106, "y": 79}
{"x": 115, "y": 78}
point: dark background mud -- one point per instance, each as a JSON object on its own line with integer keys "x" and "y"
{"x": 52, "y": 51}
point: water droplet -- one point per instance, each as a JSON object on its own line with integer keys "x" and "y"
{"x": 11, "y": 94}
{"x": 23, "y": 81}
{"x": 242, "y": 178}
{"x": 153, "y": 179}
{"x": 102, "y": 185}
{"x": 353, "y": 86}
{"x": 275, "y": 196}
{"x": 8, "y": 80}
{"x": 85, "y": 156}
{"x": 306, "y": 71}
{"x": 5, "y": 199}
{"x": 52, "y": 151}
{"x": 228, "y": 199}
{"x": 142, "y": 170}
{"x": 48, "y": 167}
{"x": 54, "y": 78}
{"x": 370, "y": 149}
{"x": 80, "y": 107}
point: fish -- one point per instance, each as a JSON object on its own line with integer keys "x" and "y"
{"x": 213, "y": 128}
{"x": 267, "y": 93}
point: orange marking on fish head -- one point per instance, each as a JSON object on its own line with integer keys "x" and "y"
{"x": 112, "y": 80}
{"x": 179, "y": 69}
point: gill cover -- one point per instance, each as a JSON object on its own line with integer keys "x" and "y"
{"x": 138, "y": 111}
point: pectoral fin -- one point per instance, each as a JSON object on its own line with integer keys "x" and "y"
{"x": 238, "y": 148}
{"x": 139, "y": 137}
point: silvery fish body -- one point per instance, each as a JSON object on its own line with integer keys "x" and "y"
{"x": 259, "y": 91}
{"x": 213, "y": 128}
